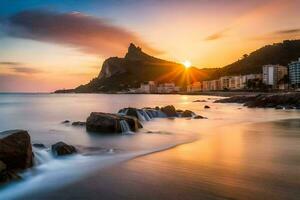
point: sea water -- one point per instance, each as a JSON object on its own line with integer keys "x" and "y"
{"x": 42, "y": 115}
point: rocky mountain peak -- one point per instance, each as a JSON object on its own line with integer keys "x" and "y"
{"x": 134, "y": 49}
{"x": 135, "y": 53}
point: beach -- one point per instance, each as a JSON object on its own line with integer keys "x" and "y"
{"x": 244, "y": 164}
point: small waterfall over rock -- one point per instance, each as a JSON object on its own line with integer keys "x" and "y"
{"x": 42, "y": 156}
{"x": 143, "y": 116}
{"x": 125, "y": 127}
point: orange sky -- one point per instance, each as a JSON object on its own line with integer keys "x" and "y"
{"x": 37, "y": 54}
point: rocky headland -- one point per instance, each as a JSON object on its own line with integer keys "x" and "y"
{"x": 289, "y": 100}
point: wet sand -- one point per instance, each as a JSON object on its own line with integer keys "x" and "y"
{"x": 243, "y": 161}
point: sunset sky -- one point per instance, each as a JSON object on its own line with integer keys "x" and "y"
{"x": 50, "y": 44}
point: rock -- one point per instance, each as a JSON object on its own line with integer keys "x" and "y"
{"x": 39, "y": 145}
{"x": 236, "y": 99}
{"x": 2, "y": 166}
{"x": 129, "y": 112}
{"x": 279, "y": 107}
{"x": 144, "y": 114}
{"x": 187, "y": 113}
{"x": 15, "y": 149}
{"x": 206, "y": 106}
{"x": 78, "y": 123}
{"x": 287, "y": 100}
{"x": 169, "y": 110}
{"x": 289, "y": 107}
{"x": 62, "y": 148}
{"x": 65, "y": 122}
{"x": 199, "y": 117}
{"x": 6, "y": 175}
{"x": 110, "y": 123}
{"x": 199, "y": 101}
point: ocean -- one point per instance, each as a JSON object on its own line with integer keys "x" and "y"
{"x": 230, "y": 130}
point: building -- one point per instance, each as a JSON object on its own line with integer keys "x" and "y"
{"x": 194, "y": 87}
{"x": 215, "y": 84}
{"x": 272, "y": 74}
{"x": 294, "y": 74}
{"x": 168, "y": 88}
{"x": 205, "y": 85}
{"x": 224, "y": 82}
{"x": 148, "y": 87}
{"x": 250, "y": 79}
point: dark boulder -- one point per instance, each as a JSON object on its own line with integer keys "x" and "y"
{"x": 199, "y": 117}
{"x": 279, "y": 107}
{"x": 169, "y": 110}
{"x": 39, "y": 145}
{"x": 15, "y": 149}
{"x": 78, "y": 123}
{"x": 6, "y": 175}
{"x": 62, "y": 148}
{"x": 199, "y": 101}
{"x": 110, "y": 123}
{"x": 65, "y": 122}
{"x": 206, "y": 107}
{"x": 187, "y": 113}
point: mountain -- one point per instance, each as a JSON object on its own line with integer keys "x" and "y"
{"x": 278, "y": 53}
{"x": 136, "y": 67}
{"x": 119, "y": 74}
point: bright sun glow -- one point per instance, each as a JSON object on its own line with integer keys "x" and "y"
{"x": 187, "y": 64}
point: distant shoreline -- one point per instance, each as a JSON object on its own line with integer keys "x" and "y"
{"x": 208, "y": 93}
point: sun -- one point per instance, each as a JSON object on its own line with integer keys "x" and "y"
{"x": 187, "y": 64}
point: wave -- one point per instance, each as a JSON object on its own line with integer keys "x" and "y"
{"x": 52, "y": 173}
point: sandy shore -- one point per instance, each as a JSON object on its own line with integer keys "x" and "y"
{"x": 232, "y": 162}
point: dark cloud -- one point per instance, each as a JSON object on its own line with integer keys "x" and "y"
{"x": 287, "y": 31}
{"x": 18, "y": 68}
{"x": 88, "y": 34}
{"x": 8, "y": 63}
{"x": 26, "y": 70}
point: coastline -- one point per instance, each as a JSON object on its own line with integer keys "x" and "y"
{"x": 207, "y": 93}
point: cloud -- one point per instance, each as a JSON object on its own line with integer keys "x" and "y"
{"x": 287, "y": 31}
{"x": 87, "y": 33}
{"x": 9, "y": 63}
{"x": 280, "y": 35}
{"x": 26, "y": 70}
{"x": 218, "y": 35}
{"x": 17, "y": 68}
{"x": 214, "y": 36}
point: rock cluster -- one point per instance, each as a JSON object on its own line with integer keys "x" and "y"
{"x": 278, "y": 101}
{"x": 16, "y": 153}
{"x": 110, "y": 123}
